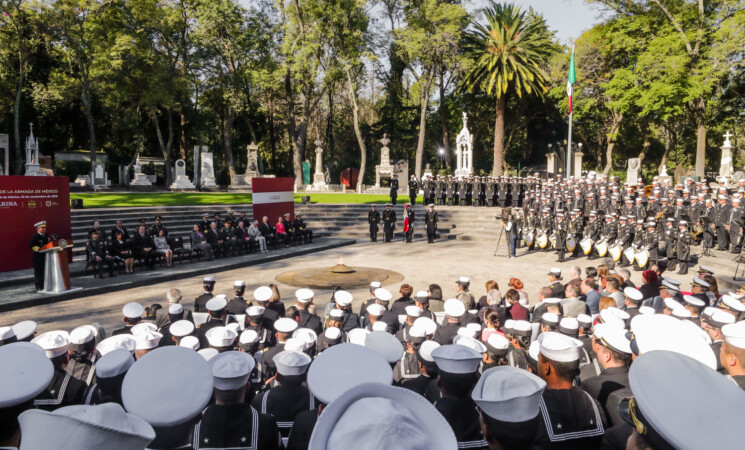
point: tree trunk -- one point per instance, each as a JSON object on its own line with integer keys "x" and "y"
{"x": 227, "y": 135}
{"x": 297, "y": 157}
{"x": 617, "y": 118}
{"x": 444, "y": 122}
{"x": 599, "y": 153}
{"x": 86, "y": 99}
{"x": 164, "y": 148}
{"x": 498, "y": 165}
{"x": 357, "y": 132}
{"x": 182, "y": 143}
{"x": 645, "y": 138}
{"x": 17, "y": 111}
{"x": 700, "y": 117}
{"x": 424, "y": 99}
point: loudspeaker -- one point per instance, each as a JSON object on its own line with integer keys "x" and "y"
{"x": 306, "y": 199}
{"x": 77, "y": 203}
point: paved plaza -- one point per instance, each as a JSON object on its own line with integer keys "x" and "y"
{"x": 420, "y": 263}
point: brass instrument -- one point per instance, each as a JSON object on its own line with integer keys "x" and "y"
{"x": 659, "y": 216}
{"x": 697, "y": 230}
{"x": 648, "y": 190}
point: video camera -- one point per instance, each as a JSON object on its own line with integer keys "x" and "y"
{"x": 506, "y": 213}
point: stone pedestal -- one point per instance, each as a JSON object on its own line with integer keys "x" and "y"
{"x": 319, "y": 178}
{"x": 207, "y": 170}
{"x": 578, "y": 164}
{"x": 427, "y": 172}
{"x": 632, "y": 172}
{"x": 550, "y": 163}
{"x": 252, "y": 163}
{"x": 100, "y": 177}
{"x": 384, "y": 169}
{"x": 181, "y": 182}
{"x": 464, "y": 150}
{"x": 726, "y": 166}
{"x": 140, "y": 180}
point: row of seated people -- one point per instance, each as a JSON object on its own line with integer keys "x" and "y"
{"x": 211, "y": 239}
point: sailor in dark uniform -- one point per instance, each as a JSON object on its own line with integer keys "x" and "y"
{"x": 98, "y": 254}
{"x": 262, "y": 295}
{"x": 204, "y": 225}
{"x": 132, "y": 316}
{"x": 683, "y": 247}
{"x": 285, "y": 327}
{"x": 332, "y": 336}
{"x": 557, "y": 289}
{"x": 254, "y": 321}
{"x": 519, "y": 334}
{"x": 413, "y": 189}
{"x": 407, "y": 368}
{"x": 614, "y": 355}
{"x": 64, "y": 389}
{"x": 230, "y": 422}
{"x": 394, "y": 189}
{"x": 238, "y": 304}
{"x": 307, "y": 319}
{"x": 363, "y": 309}
{"x": 454, "y": 312}
{"x": 82, "y": 363}
{"x": 373, "y": 219}
{"x": 458, "y": 366}
{"x": 389, "y": 222}
{"x": 713, "y": 324}
{"x": 158, "y": 226}
{"x": 349, "y": 320}
{"x": 39, "y": 240}
{"x": 111, "y": 369}
{"x": 430, "y": 221}
{"x": 571, "y": 418}
{"x": 290, "y": 396}
{"x": 201, "y": 301}
{"x": 218, "y": 317}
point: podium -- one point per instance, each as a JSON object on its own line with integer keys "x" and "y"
{"x": 56, "y": 269}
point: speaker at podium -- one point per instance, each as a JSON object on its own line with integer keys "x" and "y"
{"x": 56, "y": 269}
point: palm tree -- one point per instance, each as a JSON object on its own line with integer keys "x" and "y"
{"x": 509, "y": 54}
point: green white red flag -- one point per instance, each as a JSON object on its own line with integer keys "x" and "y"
{"x": 571, "y": 79}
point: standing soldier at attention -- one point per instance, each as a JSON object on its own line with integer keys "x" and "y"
{"x": 39, "y": 240}
{"x": 373, "y": 218}
{"x": 413, "y": 190}
{"x": 430, "y": 220}
{"x": 408, "y": 223}
{"x": 394, "y": 189}
{"x": 450, "y": 190}
{"x": 683, "y": 245}
{"x": 389, "y": 222}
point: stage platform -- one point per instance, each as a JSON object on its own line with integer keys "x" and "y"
{"x": 18, "y": 291}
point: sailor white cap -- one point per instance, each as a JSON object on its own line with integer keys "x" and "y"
{"x": 24, "y": 329}
{"x": 509, "y": 394}
{"x": 231, "y": 370}
{"x": 497, "y": 344}
{"x": 332, "y": 333}
{"x": 263, "y": 294}
{"x": 154, "y": 388}
{"x": 220, "y": 336}
{"x": 662, "y": 332}
{"x": 143, "y": 327}
{"x": 552, "y": 301}
{"x": 294, "y": 345}
{"x": 469, "y": 342}
{"x": 731, "y": 303}
{"x": 656, "y": 379}
{"x": 147, "y": 340}
{"x": 114, "y": 363}
{"x": 176, "y": 308}
{"x": 82, "y": 335}
{"x": 550, "y": 319}
{"x": 426, "y": 349}
{"x": 307, "y": 336}
{"x": 285, "y": 325}
{"x": 25, "y": 373}
{"x": 521, "y": 328}
{"x": 427, "y": 325}
{"x": 343, "y": 298}
{"x": 336, "y": 313}
{"x": 54, "y": 343}
{"x": 613, "y": 337}
{"x": 375, "y": 310}
{"x": 209, "y": 278}
{"x": 555, "y": 271}
{"x": 304, "y": 295}
{"x": 239, "y": 283}
{"x": 682, "y": 313}
{"x": 614, "y": 315}
{"x": 558, "y": 347}
{"x": 255, "y": 311}
{"x": 217, "y": 303}
{"x": 85, "y": 427}
{"x": 133, "y": 310}
{"x": 454, "y": 307}
{"x": 385, "y": 344}
{"x": 43, "y": 223}
{"x": 699, "y": 282}
{"x": 291, "y": 363}
{"x": 584, "y": 321}
{"x": 671, "y": 304}
{"x": 463, "y": 280}
{"x": 694, "y": 301}
{"x": 646, "y": 310}
{"x": 181, "y": 328}
{"x": 569, "y": 326}
{"x": 456, "y": 359}
{"x": 375, "y": 284}
{"x": 719, "y": 318}
{"x": 394, "y": 418}
{"x": 235, "y": 326}
{"x": 208, "y": 353}
{"x": 413, "y": 311}
{"x": 357, "y": 336}
{"x": 343, "y": 367}
{"x": 734, "y": 334}
{"x": 382, "y": 294}
{"x": 422, "y": 297}
{"x": 190, "y": 342}
{"x": 120, "y": 341}
{"x": 633, "y": 294}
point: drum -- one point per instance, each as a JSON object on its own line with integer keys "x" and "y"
{"x": 586, "y": 245}
{"x": 602, "y": 248}
{"x": 571, "y": 243}
{"x": 552, "y": 239}
{"x": 529, "y": 239}
{"x": 629, "y": 253}
{"x": 615, "y": 251}
{"x": 642, "y": 258}
{"x": 542, "y": 240}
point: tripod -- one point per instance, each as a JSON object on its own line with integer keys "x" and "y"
{"x": 740, "y": 258}
{"x": 499, "y": 241}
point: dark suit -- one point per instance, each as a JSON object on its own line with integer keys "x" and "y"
{"x": 122, "y": 230}
{"x": 601, "y": 386}
{"x": 139, "y": 243}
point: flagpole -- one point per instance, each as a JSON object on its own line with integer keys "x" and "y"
{"x": 571, "y": 115}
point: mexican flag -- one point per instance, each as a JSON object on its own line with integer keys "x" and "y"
{"x": 571, "y": 79}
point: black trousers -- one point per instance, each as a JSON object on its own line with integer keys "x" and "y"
{"x": 147, "y": 257}
{"x": 99, "y": 265}
{"x": 431, "y": 231}
{"x": 374, "y": 234}
{"x": 722, "y": 238}
{"x": 38, "y": 260}
{"x": 409, "y": 234}
{"x": 388, "y": 234}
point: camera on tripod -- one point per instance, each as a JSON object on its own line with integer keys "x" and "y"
{"x": 506, "y": 213}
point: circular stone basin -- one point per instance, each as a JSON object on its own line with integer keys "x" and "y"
{"x": 339, "y": 275}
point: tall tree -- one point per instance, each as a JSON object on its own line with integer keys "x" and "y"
{"x": 431, "y": 36}
{"x": 510, "y": 54}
